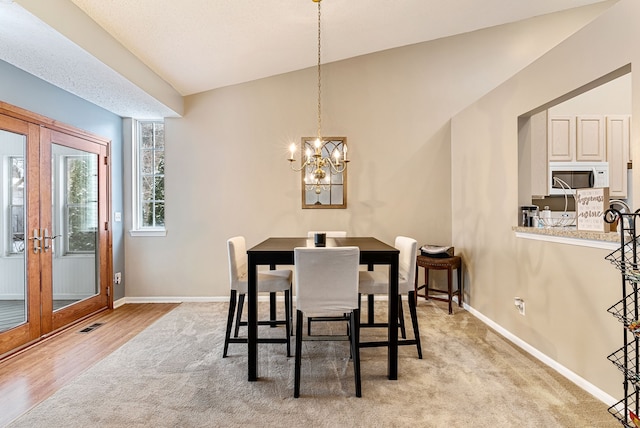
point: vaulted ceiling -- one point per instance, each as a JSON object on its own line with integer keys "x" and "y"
{"x": 199, "y": 45}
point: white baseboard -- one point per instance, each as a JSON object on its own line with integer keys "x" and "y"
{"x": 573, "y": 377}
{"x": 183, "y": 299}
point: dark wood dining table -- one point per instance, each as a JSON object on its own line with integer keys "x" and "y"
{"x": 279, "y": 251}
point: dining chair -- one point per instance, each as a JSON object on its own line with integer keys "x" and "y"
{"x": 271, "y": 281}
{"x": 377, "y": 282}
{"x": 329, "y": 234}
{"x": 327, "y": 285}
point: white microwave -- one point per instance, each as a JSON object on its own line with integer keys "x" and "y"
{"x": 566, "y": 177}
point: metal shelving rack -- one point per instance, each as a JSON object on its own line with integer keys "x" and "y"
{"x": 627, "y": 359}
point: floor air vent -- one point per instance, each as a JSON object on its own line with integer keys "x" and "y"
{"x": 91, "y": 327}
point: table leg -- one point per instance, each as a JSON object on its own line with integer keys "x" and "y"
{"x": 252, "y": 320}
{"x": 392, "y": 364}
{"x": 272, "y": 303}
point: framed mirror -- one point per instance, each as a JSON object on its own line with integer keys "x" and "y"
{"x": 324, "y": 183}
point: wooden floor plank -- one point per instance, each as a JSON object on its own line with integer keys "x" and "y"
{"x": 34, "y": 374}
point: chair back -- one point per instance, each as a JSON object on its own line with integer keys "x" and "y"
{"x": 407, "y": 259}
{"x": 326, "y": 280}
{"x": 329, "y": 233}
{"x": 238, "y": 261}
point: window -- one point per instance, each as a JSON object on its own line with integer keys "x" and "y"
{"x": 149, "y": 156}
{"x": 16, "y": 205}
{"x": 81, "y": 203}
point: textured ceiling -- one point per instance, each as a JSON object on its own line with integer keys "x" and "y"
{"x": 198, "y": 45}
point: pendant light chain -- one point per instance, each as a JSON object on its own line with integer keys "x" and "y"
{"x": 319, "y": 79}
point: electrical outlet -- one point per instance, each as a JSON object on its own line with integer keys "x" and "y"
{"x": 519, "y": 303}
{"x": 117, "y": 278}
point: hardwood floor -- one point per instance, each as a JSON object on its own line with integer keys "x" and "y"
{"x": 34, "y": 374}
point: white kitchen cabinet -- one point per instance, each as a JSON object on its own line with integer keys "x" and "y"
{"x": 590, "y": 142}
{"x": 576, "y": 138}
{"x": 617, "y": 136}
{"x": 561, "y": 138}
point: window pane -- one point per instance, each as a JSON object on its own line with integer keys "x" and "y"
{"x": 17, "y": 181}
{"x": 159, "y": 214}
{"x": 147, "y": 214}
{"x": 146, "y": 161}
{"x": 17, "y": 229}
{"x": 82, "y": 237}
{"x": 147, "y": 188}
{"x": 146, "y": 135}
{"x": 159, "y": 162}
{"x": 159, "y": 136}
{"x": 336, "y": 195}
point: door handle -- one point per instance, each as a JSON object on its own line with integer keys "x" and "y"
{"x": 36, "y": 241}
{"x": 45, "y": 237}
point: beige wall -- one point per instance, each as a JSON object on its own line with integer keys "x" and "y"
{"x": 227, "y": 172}
{"x": 567, "y": 289}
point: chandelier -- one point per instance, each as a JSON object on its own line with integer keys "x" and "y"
{"x": 318, "y": 160}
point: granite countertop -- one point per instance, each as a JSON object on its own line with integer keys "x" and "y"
{"x": 568, "y": 232}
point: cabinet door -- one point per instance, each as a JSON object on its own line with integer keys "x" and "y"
{"x": 561, "y": 138}
{"x": 617, "y": 154}
{"x": 590, "y": 144}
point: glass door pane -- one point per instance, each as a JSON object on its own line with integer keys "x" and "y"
{"x": 13, "y": 277}
{"x": 74, "y": 238}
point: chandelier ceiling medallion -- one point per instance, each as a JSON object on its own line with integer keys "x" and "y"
{"x": 318, "y": 160}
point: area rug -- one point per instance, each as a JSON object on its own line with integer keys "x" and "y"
{"x": 173, "y": 375}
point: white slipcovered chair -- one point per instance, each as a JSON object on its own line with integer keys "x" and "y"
{"x": 327, "y": 285}
{"x": 330, "y": 234}
{"x": 376, "y": 282}
{"x": 271, "y": 281}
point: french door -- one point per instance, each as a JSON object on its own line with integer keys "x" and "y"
{"x": 54, "y": 239}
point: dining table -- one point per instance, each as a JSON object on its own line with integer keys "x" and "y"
{"x": 279, "y": 251}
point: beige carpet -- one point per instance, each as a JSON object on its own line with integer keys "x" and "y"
{"x": 172, "y": 375}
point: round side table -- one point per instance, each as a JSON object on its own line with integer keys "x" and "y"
{"x": 440, "y": 263}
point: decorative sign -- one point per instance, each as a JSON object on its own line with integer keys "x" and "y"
{"x": 590, "y": 207}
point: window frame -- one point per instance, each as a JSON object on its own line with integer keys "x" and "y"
{"x": 138, "y": 227}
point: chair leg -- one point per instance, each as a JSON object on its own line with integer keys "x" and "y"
{"x": 414, "y": 321}
{"x": 291, "y": 308}
{"x": 287, "y": 314}
{"x": 298, "y": 358}
{"x": 272, "y": 308}
{"x": 309, "y": 326}
{"x": 355, "y": 349}
{"x": 403, "y": 330}
{"x": 239, "y": 315}
{"x": 232, "y": 309}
